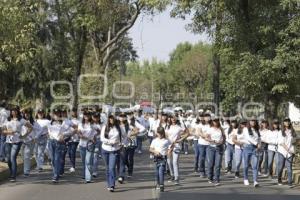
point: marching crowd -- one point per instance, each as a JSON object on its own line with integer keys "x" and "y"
{"x": 246, "y": 145}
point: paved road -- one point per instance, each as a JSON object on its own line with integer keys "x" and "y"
{"x": 141, "y": 187}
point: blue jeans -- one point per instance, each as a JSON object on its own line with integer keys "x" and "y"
{"x": 215, "y": 162}
{"x": 27, "y": 149}
{"x": 263, "y": 159}
{"x": 110, "y": 158}
{"x": 285, "y": 162}
{"x": 229, "y": 156}
{"x": 39, "y": 151}
{"x": 96, "y": 156}
{"x": 160, "y": 168}
{"x": 129, "y": 159}
{"x": 271, "y": 157}
{"x": 56, "y": 149}
{"x": 250, "y": 154}
{"x": 12, "y": 151}
{"x": 2, "y": 146}
{"x": 202, "y": 154}
{"x": 72, "y": 147}
{"x": 87, "y": 158}
{"x": 121, "y": 163}
{"x": 238, "y": 159}
{"x": 197, "y": 155}
{"x": 139, "y": 141}
{"x": 63, "y": 159}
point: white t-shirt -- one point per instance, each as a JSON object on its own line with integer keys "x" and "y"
{"x": 205, "y": 129}
{"x": 4, "y": 114}
{"x": 250, "y": 139}
{"x": 112, "y": 143}
{"x": 215, "y": 135}
{"x": 239, "y": 138}
{"x": 160, "y": 145}
{"x": 288, "y": 141}
{"x": 229, "y": 136}
{"x": 43, "y": 123}
{"x": 54, "y": 130}
{"x": 36, "y": 129}
{"x": 16, "y": 126}
{"x": 271, "y": 138}
{"x": 88, "y": 132}
{"x": 75, "y": 137}
{"x": 173, "y": 133}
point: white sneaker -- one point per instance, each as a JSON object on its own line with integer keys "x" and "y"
{"x": 139, "y": 151}
{"x": 151, "y": 156}
{"x": 246, "y": 182}
{"x": 256, "y": 184}
{"x": 72, "y": 169}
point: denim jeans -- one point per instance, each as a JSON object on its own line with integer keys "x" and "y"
{"x": 185, "y": 146}
{"x": 97, "y": 152}
{"x": 272, "y": 155}
{"x": 229, "y": 156}
{"x": 63, "y": 159}
{"x": 215, "y": 162}
{"x": 285, "y": 162}
{"x": 160, "y": 168}
{"x": 2, "y": 146}
{"x": 139, "y": 141}
{"x": 173, "y": 164}
{"x": 202, "y": 154}
{"x": 72, "y": 147}
{"x": 39, "y": 151}
{"x": 238, "y": 159}
{"x": 197, "y": 155}
{"x": 87, "y": 158}
{"x": 27, "y": 149}
{"x": 121, "y": 163}
{"x": 110, "y": 158}
{"x": 250, "y": 154}
{"x": 56, "y": 150}
{"x": 263, "y": 159}
{"x": 12, "y": 151}
{"x": 129, "y": 159}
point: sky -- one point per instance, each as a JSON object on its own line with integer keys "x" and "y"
{"x": 156, "y": 37}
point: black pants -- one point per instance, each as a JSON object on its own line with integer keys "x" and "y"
{"x": 129, "y": 159}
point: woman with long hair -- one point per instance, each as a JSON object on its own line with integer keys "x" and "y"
{"x": 96, "y": 125}
{"x": 111, "y": 137}
{"x": 215, "y": 151}
{"x": 195, "y": 126}
{"x": 74, "y": 141}
{"x": 286, "y": 151}
{"x": 263, "y": 158}
{"x": 87, "y": 146}
{"x": 229, "y": 152}
{"x": 252, "y": 146}
{"x": 13, "y": 130}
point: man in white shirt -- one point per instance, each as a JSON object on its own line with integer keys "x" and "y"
{"x": 4, "y": 114}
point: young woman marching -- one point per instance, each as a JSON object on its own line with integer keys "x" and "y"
{"x": 27, "y": 136}
{"x": 272, "y": 140}
{"x": 229, "y": 152}
{"x": 13, "y": 130}
{"x": 286, "y": 151}
{"x": 173, "y": 133}
{"x": 215, "y": 151}
{"x": 196, "y": 127}
{"x": 135, "y": 128}
{"x": 154, "y": 122}
{"x": 56, "y": 144}
{"x": 251, "y": 150}
{"x": 87, "y": 146}
{"x": 263, "y": 159}
{"x": 111, "y": 137}
{"x": 160, "y": 149}
{"x": 238, "y": 140}
{"x": 97, "y": 125}
{"x": 41, "y": 139}
{"x": 74, "y": 141}
{"x": 203, "y": 145}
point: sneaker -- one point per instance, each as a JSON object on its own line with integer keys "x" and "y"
{"x": 279, "y": 183}
{"x": 120, "y": 180}
{"x": 111, "y": 189}
{"x": 12, "y": 180}
{"x": 72, "y": 169}
{"x": 54, "y": 181}
{"x": 87, "y": 182}
{"x": 217, "y": 184}
{"x": 210, "y": 181}
{"x": 256, "y": 184}
{"x": 237, "y": 175}
{"x": 94, "y": 175}
{"x": 265, "y": 175}
{"x": 290, "y": 185}
{"x": 176, "y": 182}
{"x": 202, "y": 176}
{"x": 259, "y": 173}
{"x": 161, "y": 188}
{"x": 151, "y": 156}
{"x": 171, "y": 179}
{"x": 139, "y": 152}
{"x": 26, "y": 175}
{"x": 186, "y": 153}
{"x": 157, "y": 187}
{"x": 246, "y": 182}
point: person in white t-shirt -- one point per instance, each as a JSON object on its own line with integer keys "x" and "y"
{"x": 229, "y": 152}
{"x": 263, "y": 157}
{"x": 13, "y": 130}
{"x": 97, "y": 126}
{"x": 160, "y": 148}
{"x": 4, "y": 114}
{"x": 111, "y": 138}
{"x": 215, "y": 151}
{"x": 196, "y": 127}
{"x": 173, "y": 134}
{"x": 286, "y": 151}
